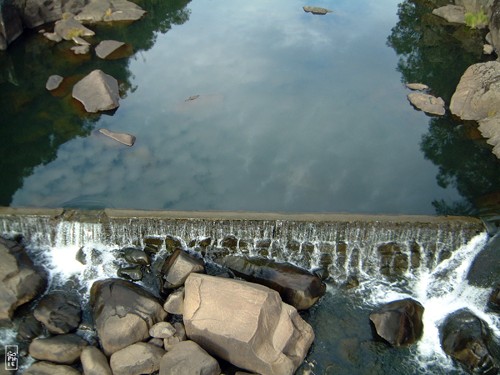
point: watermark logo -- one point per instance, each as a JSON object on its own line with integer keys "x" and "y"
{"x": 11, "y": 357}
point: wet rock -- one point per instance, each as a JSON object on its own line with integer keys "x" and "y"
{"x": 490, "y": 129}
{"x": 97, "y": 92}
{"x": 271, "y": 339}
{"x": 477, "y": 95}
{"x": 399, "y": 322}
{"x": 110, "y": 10}
{"x": 55, "y": 37}
{"x": 427, "y": 103}
{"x": 123, "y": 138}
{"x": 484, "y": 271}
{"x": 29, "y": 328}
{"x": 47, "y": 368}
{"x": 68, "y": 28}
{"x": 316, "y": 10}
{"x": 177, "y": 268}
{"x": 80, "y": 50}
{"x": 94, "y": 362}
{"x": 11, "y": 26}
{"x": 65, "y": 349}
{"x": 152, "y": 245}
{"x": 230, "y": 242}
{"x": 20, "y": 282}
{"x": 53, "y": 82}
{"x": 172, "y": 243}
{"x": 179, "y": 336}
{"x": 188, "y": 358}
{"x": 417, "y": 86}
{"x": 123, "y": 313}
{"x": 297, "y": 287}
{"x": 469, "y": 340}
{"x": 136, "y": 256}
{"x": 162, "y": 330}
{"x": 494, "y": 300}
{"x": 80, "y": 41}
{"x": 60, "y": 312}
{"x": 130, "y": 273}
{"x": 136, "y": 359}
{"x": 451, "y": 13}
{"x": 175, "y": 302}
{"x": 107, "y": 47}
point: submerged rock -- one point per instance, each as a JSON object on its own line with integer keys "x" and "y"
{"x": 186, "y": 358}
{"x": 399, "y": 322}
{"x": 123, "y": 313}
{"x": 53, "y": 82}
{"x": 97, "y": 92}
{"x": 296, "y": 286}
{"x": 451, "y": 13}
{"x": 316, "y": 10}
{"x": 20, "y": 282}
{"x": 427, "y": 103}
{"x": 107, "y": 47}
{"x": 246, "y": 324}
{"x": 469, "y": 340}
{"x": 123, "y": 138}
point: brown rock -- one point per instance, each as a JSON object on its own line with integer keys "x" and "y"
{"x": 187, "y": 358}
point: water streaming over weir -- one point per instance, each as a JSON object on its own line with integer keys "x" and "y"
{"x": 392, "y": 257}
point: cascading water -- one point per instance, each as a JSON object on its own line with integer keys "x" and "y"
{"x": 389, "y": 259}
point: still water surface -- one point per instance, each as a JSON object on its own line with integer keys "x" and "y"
{"x": 295, "y": 112}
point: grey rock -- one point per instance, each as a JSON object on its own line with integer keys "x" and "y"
{"x": 123, "y": 138}
{"x": 417, "y": 86}
{"x": 188, "y": 358}
{"x": 107, "y": 47}
{"x": 80, "y": 41}
{"x": 427, "y": 103}
{"x": 19, "y": 281}
{"x": 60, "y": 312}
{"x": 123, "y": 313}
{"x": 133, "y": 273}
{"x": 94, "y": 362}
{"x": 156, "y": 342}
{"x": 175, "y": 302}
{"x": 36, "y": 13}
{"x": 55, "y": 37}
{"x": 272, "y": 338}
{"x": 399, "y": 322}
{"x": 69, "y": 28}
{"x": 47, "y": 368}
{"x": 65, "y": 349}
{"x": 80, "y": 50}
{"x": 451, "y": 13}
{"x": 11, "y": 26}
{"x": 136, "y": 359}
{"x": 162, "y": 330}
{"x": 490, "y": 129}
{"x": 316, "y": 10}
{"x": 133, "y": 255}
{"x": 110, "y": 10}
{"x": 477, "y": 95}
{"x": 53, "y": 82}
{"x": 97, "y": 92}
{"x": 177, "y": 268}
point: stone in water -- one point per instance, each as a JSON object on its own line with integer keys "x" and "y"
{"x": 123, "y": 138}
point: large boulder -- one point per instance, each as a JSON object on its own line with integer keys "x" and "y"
{"x": 20, "y": 282}
{"x": 399, "y": 322}
{"x": 296, "y": 286}
{"x": 65, "y": 349}
{"x": 94, "y": 362}
{"x": 110, "y": 10}
{"x": 187, "y": 358}
{"x": 451, "y": 13}
{"x": 477, "y": 95}
{"x": 177, "y": 267}
{"x": 123, "y": 313}
{"x": 246, "y": 324}
{"x": 47, "y": 368}
{"x": 469, "y": 340}
{"x": 11, "y": 25}
{"x": 97, "y": 91}
{"x": 136, "y": 359}
{"x": 60, "y": 312}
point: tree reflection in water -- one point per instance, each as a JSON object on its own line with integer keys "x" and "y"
{"x": 437, "y": 53}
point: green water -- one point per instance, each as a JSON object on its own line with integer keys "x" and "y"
{"x": 295, "y": 112}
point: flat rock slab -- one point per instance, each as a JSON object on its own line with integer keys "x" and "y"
{"x": 97, "y": 92}
{"x": 69, "y": 28}
{"x": 427, "y": 103}
{"x": 417, "y": 86}
{"x": 107, "y": 47}
{"x": 316, "y": 10}
{"x": 53, "y": 82}
{"x": 451, "y": 13}
{"x": 490, "y": 129}
{"x": 123, "y": 138}
{"x": 110, "y": 10}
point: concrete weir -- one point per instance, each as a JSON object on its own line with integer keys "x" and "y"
{"x": 344, "y": 244}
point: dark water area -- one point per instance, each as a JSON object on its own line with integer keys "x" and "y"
{"x": 295, "y": 113}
